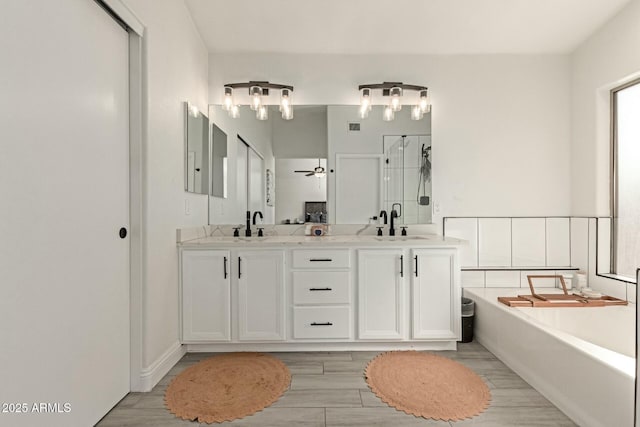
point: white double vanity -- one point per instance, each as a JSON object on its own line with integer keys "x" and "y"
{"x": 293, "y": 293}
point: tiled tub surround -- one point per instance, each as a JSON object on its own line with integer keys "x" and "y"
{"x": 338, "y": 292}
{"x": 581, "y": 359}
{"x": 502, "y": 251}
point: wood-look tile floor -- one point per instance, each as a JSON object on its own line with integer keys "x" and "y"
{"x": 328, "y": 389}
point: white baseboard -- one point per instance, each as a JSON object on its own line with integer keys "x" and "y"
{"x": 151, "y": 375}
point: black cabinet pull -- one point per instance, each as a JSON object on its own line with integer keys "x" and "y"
{"x": 322, "y": 324}
{"x": 320, "y": 260}
{"x": 320, "y": 289}
{"x": 416, "y": 258}
{"x": 225, "y": 267}
{"x": 239, "y": 270}
{"x": 401, "y": 265}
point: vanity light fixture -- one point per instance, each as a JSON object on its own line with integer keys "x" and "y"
{"x": 395, "y": 92}
{"x": 258, "y": 91}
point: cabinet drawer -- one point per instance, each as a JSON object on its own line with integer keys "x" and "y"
{"x": 321, "y": 322}
{"x": 321, "y": 287}
{"x": 320, "y": 258}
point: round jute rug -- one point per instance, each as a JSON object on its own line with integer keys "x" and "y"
{"x": 227, "y": 387}
{"x": 426, "y": 385}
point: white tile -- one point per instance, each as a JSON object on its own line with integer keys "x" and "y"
{"x": 502, "y": 279}
{"x": 558, "y": 242}
{"x": 472, "y": 279}
{"x": 528, "y": 242}
{"x": 580, "y": 243}
{"x": 466, "y": 229}
{"x": 538, "y": 283}
{"x": 494, "y": 242}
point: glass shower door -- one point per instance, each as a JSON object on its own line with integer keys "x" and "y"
{"x": 407, "y": 177}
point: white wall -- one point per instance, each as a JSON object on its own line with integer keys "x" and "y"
{"x": 607, "y": 59}
{"x": 293, "y": 189}
{"x": 303, "y": 137}
{"x": 500, "y": 122}
{"x": 175, "y": 70}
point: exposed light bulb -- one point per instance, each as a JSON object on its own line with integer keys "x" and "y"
{"x": 234, "y": 111}
{"x": 395, "y": 93}
{"x": 262, "y": 113}
{"x": 365, "y": 99}
{"x": 363, "y": 112}
{"x": 285, "y": 99}
{"x": 388, "y": 114}
{"x": 227, "y": 103}
{"x": 416, "y": 112}
{"x": 424, "y": 101}
{"x": 256, "y": 97}
{"x": 287, "y": 113}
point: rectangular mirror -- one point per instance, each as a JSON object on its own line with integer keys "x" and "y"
{"x": 218, "y": 162}
{"x": 196, "y": 150}
{"x": 329, "y": 165}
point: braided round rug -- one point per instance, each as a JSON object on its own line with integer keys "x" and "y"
{"x": 426, "y": 385}
{"x": 227, "y": 387}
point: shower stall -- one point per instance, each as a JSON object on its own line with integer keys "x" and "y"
{"x": 407, "y": 177}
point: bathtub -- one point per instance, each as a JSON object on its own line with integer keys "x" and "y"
{"x": 581, "y": 359}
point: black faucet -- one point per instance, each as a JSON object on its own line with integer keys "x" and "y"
{"x": 247, "y": 232}
{"x": 392, "y": 230}
{"x": 256, "y": 213}
{"x": 383, "y": 213}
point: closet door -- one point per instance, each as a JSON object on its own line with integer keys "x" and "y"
{"x": 256, "y": 190}
{"x": 64, "y": 186}
{"x": 242, "y": 181}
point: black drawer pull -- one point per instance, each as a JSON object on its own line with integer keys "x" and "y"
{"x": 320, "y": 289}
{"x": 225, "y": 267}
{"x": 320, "y": 260}
{"x": 322, "y": 324}
{"x": 401, "y": 265}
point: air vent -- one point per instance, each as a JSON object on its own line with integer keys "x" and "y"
{"x": 354, "y": 127}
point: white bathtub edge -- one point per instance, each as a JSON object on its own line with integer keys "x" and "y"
{"x": 501, "y": 331}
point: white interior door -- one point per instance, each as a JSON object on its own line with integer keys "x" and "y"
{"x": 358, "y": 187}
{"x": 241, "y": 181}
{"x": 64, "y": 167}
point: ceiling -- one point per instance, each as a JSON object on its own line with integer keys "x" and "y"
{"x": 399, "y": 26}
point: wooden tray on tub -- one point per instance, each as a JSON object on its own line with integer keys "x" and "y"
{"x": 557, "y": 300}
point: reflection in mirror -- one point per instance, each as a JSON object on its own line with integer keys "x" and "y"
{"x": 302, "y": 191}
{"x": 196, "y": 150}
{"x": 218, "y": 162}
{"x": 407, "y": 177}
{"x": 368, "y": 165}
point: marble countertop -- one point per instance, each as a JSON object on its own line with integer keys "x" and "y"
{"x": 430, "y": 240}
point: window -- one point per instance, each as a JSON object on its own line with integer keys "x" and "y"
{"x": 626, "y": 179}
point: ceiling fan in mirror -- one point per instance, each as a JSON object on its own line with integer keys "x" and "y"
{"x": 318, "y": 171}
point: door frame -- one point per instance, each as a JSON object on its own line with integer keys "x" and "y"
{"x": 137, "y": 110}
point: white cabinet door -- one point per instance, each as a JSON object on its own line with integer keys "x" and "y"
{"x": 436, "y": 296}
{"x": 380, "y": 294}
{"x": 206, "y": 301}
{"x": 260, "y": 295}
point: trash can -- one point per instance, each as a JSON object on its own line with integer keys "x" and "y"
{"x": 468, "y": 314}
